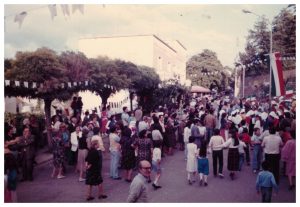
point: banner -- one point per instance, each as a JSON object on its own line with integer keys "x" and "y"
{"x": 277, "y": 83}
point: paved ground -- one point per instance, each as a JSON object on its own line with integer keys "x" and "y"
{"x": 175, "y": 188}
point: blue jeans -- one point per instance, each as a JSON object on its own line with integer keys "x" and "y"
{"x": 241, "y": 162}
{"x": 114, "y": 164}
{"x": 266, "y": 194}
{"x": 257, "y": 155}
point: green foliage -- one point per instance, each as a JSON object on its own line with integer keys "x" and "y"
{"x": 258, "y": 42}
{"x": 204, "y": 69}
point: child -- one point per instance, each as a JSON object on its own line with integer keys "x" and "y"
{"x": 156, "y": 158}
{"x": 203, "y": 165}
{"x": 191, "y": 165}
{"x": 241, "y": 147}
{"x": 93, "y": 173}
{"x": 265, "y": 182}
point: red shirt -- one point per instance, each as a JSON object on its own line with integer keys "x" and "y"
{"x": 246, "y": 138}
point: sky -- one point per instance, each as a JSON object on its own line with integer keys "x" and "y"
{"x": 221, "y": 28}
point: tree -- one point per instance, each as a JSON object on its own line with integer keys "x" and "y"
{"x": 144, "y": 83}
{"x": 43, "y": 67}
{"x": 258, "y": 42}
{"x": 205, "y": 69}
{"x": 284, "y": 36}
{"x": 105, "y": 72}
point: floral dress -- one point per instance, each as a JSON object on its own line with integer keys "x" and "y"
{"x": 58, "y": 152}
{"x": 144, "y": 146}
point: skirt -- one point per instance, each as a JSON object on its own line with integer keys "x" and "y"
{"x": 93, "y": 178}
{"x": 82, "y": 153}
{"x": 233, "y": 159}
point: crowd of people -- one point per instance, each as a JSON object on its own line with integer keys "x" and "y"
{"x": 138, "y": 141}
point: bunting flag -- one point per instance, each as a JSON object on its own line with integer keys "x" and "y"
{"x": 75, "y": 83}
{"x": 69, "y": 84}
{"x": 7, "y": 82}
{"x": 76, "y": 7}
{"x": 62, "y": 85}
{"x": 277, "y": 83}
{"x": 20, "y": 18}
{"x": 26, "y": 84}
{"x": 17, "y": 83}
{"x": 53, "y": 10}
{"x": 65, "y": 9}
{"x": 34, "y": 85}
{"x": 86, "y": 83}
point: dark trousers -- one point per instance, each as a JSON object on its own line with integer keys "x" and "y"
{"x": 273, "y": 161}
{"x": 73, "y": 157}
{"x": 247, "y": 152}
{"x": 266, "y": 194}
{"x": 27, "y": 168}
{"x": 217, "y": 156}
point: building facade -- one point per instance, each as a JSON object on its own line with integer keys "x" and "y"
{"x": 168, "y": 58}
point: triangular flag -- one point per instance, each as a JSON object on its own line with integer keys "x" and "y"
{"x": 62, "y": 85}
{"x": 34, "y": 85}
{"x": 75, "y": 84}
{"x": 7, "y": 82}
{"x": 26, "y": 84}
{"x": 65, "y": 9}
{"x": 69, "y": 84}
{"x": 86, "y": 83}
{"x": 17, "y": 83}
{"x": 77, "y": 7}
{"x": 20, "y": 17}
{"x": 53, "y": 10}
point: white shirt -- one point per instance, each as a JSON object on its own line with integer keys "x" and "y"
{"x": 216, "y": 142}
{"x": 156, "y": 135}
{"x": 230, "y": 143}
{"x": 242, "y": 145}
{"x": 272, "y": 144}
{"x": 156, "y": 154}
{"x": 74, "y": 140}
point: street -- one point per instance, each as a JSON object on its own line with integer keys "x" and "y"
{"x": 175, "y": 188}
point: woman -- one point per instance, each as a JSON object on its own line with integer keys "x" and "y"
{"x": 128, "y": 156}
{"x": 288, "y": 154}
{"x": 171, "y": 136}
{"x": 233, "y": 153}
{"x": 115, "y": 153}
{"x": 223, "y": 126}
{"x": 82, "y": 153}
{"x": 144, "y": 146}
{"x": 74, "y": 144}
{"x": 58, "y": 155}
{"x": 94, "y": 167}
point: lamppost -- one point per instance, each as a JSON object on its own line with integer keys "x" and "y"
{"x": 271, "y": 43}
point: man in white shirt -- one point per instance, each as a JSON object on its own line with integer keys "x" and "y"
{"x": 215, "y": 144}
{"x": 271, "y": 145}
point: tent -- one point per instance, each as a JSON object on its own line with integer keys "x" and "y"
{"x": 199, "y": 89}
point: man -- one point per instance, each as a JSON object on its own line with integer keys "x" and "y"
{"x": 138, "y": 191}
{"x": 215, "y": 144}
{"x": 210, "y": 124}
{"x": 125, "y": 116}
{"x": 138, "y": 113}
{"x": 271, "y": 145}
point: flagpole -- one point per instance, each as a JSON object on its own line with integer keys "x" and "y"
{"x": 271, "y": 36}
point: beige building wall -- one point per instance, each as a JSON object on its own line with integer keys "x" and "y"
{"x": 168, "y": 58}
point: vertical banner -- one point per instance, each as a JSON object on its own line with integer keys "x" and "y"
{"x": 277, "y": 83}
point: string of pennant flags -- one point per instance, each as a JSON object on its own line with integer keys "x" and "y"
{"x": 261, "y": 61}
{"x": 19, "y": 17}
{"x": 27, "y": 84}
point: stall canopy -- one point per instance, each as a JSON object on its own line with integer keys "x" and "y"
{"x": 199, "y": 89}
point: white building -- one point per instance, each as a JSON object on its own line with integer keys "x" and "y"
{"x": 168, "y": 58}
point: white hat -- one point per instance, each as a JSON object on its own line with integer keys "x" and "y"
{"x": 264, "y": 115}
{"x": 250, "y": 113}
{"x": 273, "y": 114}
{"x": 279, "y": 113}
{"x": 242, "y": 110}
{"x": 222, "y": 112}
{"x": 273, "y": 103}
